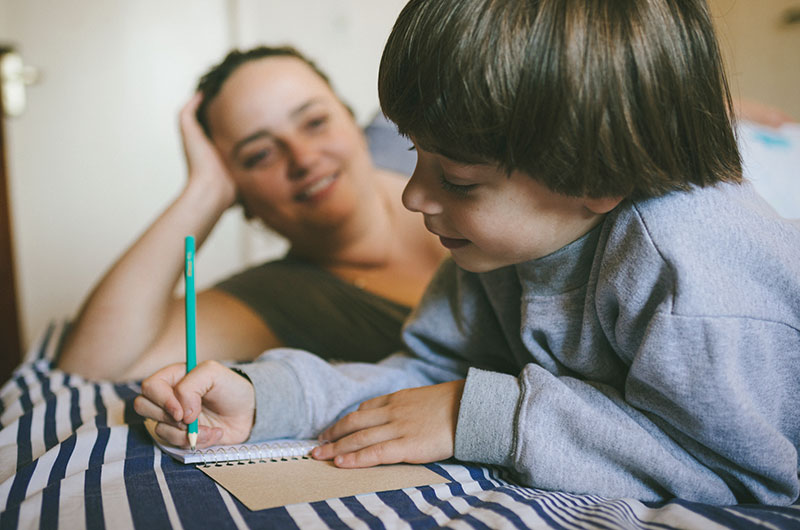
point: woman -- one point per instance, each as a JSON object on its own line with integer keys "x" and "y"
{"x": 285, "y": 147}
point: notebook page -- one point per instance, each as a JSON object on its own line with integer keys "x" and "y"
{"x": 254, "y": 452}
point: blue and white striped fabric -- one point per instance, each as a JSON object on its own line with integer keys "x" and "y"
{"x": 73, "y": 454}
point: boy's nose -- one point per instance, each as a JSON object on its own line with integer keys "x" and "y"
{"x": 417, "y": 195}
{"x": 303, "y": 155}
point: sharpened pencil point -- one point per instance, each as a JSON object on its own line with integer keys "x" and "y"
{"x": 192, "y": 440}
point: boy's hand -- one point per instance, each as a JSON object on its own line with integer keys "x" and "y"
{"x": 417, "y": 425}
{"x": 223, "y": 400}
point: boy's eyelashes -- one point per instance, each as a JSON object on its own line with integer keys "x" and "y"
{"x": 456, "y": 189}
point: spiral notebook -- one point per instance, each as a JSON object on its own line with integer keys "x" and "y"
{"x": 281, "y": 472}
{"x": 276, "y": 450}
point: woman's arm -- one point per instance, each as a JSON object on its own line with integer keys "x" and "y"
{"x": 133, "y": 309}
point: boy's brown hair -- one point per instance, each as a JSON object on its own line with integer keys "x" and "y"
{"x": 596, "y": 98}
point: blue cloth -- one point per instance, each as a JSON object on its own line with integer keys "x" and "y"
{"x": 771, "y": 160}
{"x": 389, "y": 150}
{"x": 73, "y": 454}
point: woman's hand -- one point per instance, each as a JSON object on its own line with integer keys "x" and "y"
{"x": 417, "y": 425}
{"x": 761, "y": 113}
{"x": 223, "y": 400}
{"x": 202, "y": 158}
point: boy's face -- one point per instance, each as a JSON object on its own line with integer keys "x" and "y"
{"x": 488, "y": 219}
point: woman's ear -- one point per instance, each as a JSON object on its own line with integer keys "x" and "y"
{"x": 601, "y": 205}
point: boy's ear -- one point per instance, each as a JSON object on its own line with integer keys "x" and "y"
{"x": 601, "y": 205}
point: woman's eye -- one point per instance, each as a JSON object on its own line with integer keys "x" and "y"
{"x": 253, "y": 160}
{"x": 457, "y": 189}
{"x": 317, "y": 122}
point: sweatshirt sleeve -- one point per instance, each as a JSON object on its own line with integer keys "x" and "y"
{"x": 712, "y": 420}
{"x": 298, "y": 394}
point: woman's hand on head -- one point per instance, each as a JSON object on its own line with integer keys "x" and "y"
{"x": 204, "y": 163}
{"x": 761, "y": 113}
{"x": 416, "y": 425}
{"x": 222, "y": 400}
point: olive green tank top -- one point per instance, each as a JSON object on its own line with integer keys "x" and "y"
{"x": 309, "y": 308}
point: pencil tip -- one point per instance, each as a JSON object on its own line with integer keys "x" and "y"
{"x": 193, "y": 440}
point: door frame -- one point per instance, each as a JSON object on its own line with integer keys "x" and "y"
{"x": 9, "y": 315}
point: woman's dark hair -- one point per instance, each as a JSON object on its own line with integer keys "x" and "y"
{"x": 211, "y": 83}
{"x": 596, "y": 98}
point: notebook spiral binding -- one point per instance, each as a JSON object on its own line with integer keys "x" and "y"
{"x": 254, "y": 453}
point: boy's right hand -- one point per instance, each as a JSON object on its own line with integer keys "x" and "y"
{"x": 203, "y": 161}
{"x": 223, "y": 400}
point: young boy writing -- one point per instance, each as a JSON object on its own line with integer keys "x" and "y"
{"x": 621, "y": 314}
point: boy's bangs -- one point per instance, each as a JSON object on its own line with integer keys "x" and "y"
{"x": 446, "y": 84}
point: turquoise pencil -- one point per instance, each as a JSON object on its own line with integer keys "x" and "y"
{"x": 191, "y": 325}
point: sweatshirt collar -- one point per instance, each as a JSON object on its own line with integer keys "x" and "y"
{"x": 564, "y": 270}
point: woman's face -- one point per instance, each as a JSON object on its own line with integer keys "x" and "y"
{"x": 297, "y": 156}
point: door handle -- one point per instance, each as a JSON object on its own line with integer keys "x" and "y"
{"x": 15, "y": 75}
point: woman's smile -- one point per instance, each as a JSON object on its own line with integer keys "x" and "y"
{"x": 318, "y": 189}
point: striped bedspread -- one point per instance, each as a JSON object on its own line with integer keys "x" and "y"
{"x": 73, "y": 454}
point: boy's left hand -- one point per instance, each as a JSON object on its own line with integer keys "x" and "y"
{"x": 416, "y": 425}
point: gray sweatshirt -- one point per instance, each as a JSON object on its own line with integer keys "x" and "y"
{"x": 657, "y": 356}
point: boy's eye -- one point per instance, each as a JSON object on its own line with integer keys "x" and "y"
{"x": 457, "y": 189}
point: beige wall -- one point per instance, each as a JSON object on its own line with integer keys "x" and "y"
{"x": 762, "y": 53}
{"x": 3, "y": 17}
{"x": 345, "y": 37}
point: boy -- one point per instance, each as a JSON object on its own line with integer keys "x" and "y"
{"x": 624, "y": 309}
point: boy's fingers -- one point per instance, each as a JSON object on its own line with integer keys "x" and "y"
{"x": 207, "y": 436}
{"x": 177, "y": 436}
{"x": 374, "y": 403}
{"x": 146, "y": 408}
{"x": 355, "y": 422}
{"x": 388, "y": 452}
{"x": 191, "y": 389}
{"x": 158, "y": 388}
{"x": 356, "y": 441}
{"x": 172, "y": 435}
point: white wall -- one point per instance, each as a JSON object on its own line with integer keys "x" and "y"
{"x": 344, "y": 37}
{"x": 3, "y": 17}
{"x": 97, "y": 155}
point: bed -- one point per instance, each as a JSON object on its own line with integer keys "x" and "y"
{"x": 74, "y": 454}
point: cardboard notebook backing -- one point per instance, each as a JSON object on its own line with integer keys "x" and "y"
{"x": 280, "y": 472}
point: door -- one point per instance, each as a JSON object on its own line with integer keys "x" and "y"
{"x": 9, "y": 321}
